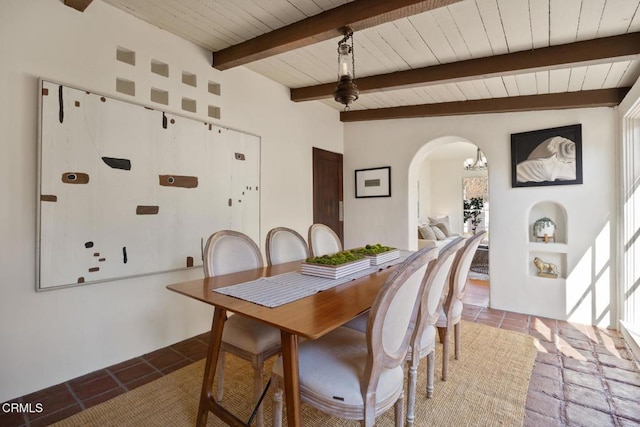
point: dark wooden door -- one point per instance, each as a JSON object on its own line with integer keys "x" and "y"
{"x": 327, "y": 190}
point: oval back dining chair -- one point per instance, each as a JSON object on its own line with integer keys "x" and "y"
{"x": 451, "y": 313}
{"x": 423, "y": 342}
{"x": 285, "y": 245}
{"x": 228, "y": 252}
{"x": 323, "y": 240}
{"x": 352, "y": 375}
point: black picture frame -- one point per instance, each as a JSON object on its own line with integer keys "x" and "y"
{"x": 373, "y": 182}
{"x": 545, "y": 157}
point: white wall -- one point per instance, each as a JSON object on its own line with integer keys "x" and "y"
{"x": 424, "y": 193}
{"x": 446, "y": 191}
{"x": 441, "y": 175}
{"x": 586, "y": 295}
{"x": 50, "y": 337}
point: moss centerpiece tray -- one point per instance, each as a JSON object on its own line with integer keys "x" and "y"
{"x": 378, "y": 254}
{"x": 335, "y": 266}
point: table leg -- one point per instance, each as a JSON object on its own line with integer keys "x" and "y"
{"x": 291, "y": 377}
{"x": 215, "y": 340}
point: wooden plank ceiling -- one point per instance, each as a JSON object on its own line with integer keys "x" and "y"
{"x": 422, "y": 58}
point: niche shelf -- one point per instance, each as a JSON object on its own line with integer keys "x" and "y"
{"x": 125, "y": 86}
{"x": 558, "y": 259}
{"x": 160, "y": 96}
{"x": 189, "y": 79}
{"x": 213, "y": 88}
{"x": 553, "y": 251}
{"x": 125, "y": 55}
{"x": 556, "y": 213}
{"x": 159, "y": 68}
{"x": 189, "y": 105}
{"x": 214, "y": 112}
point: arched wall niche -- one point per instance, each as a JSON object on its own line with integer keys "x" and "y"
{"x": 554, "y": 249}
{"x": 554, "y": 211}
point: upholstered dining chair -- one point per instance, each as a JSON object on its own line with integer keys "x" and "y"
{"x": 285, "y": 245}
{"x": 358, "y": 376}
{"x": 229, "y": 252}
{"x": 323, "y": 240}
{"x": 423, "y": 341}
{"x": 451, "y": 312}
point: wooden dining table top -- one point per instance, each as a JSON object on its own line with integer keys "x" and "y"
{"x": 310, "y": 317}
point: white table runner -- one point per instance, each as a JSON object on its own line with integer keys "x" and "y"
{"x": 288, "y": 287}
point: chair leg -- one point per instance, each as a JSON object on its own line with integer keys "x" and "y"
{"x": 441, "y": 333}
{"x": 399, "y": 410}
{"x": 445, "y": 354}
{"x": 456, "y": 335}
{"x": 277, "y": 404}
{"x": 258, "y": 371}
{"x": 431, "y": 370}
{"x": 220, "y": 376}
{"x": 369, "y": 418}
{"x": 411, "y": 387}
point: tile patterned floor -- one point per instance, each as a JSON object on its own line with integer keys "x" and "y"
{"x": 583, "y": 376}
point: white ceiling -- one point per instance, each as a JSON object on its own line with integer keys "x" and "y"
{"x": 461, "y": 31}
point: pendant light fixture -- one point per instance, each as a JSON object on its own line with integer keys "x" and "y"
{"x": 480, "y": 163}
{"x": 347, "y": 91}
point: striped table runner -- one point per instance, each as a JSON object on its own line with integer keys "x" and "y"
{"x": 284, "y": 288}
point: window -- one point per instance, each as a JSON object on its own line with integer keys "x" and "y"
{"x": 475, "y": 209}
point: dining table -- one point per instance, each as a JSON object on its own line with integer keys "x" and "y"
{"x": 309, "y": 317}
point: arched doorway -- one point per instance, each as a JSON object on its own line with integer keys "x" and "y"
{"x": 448, "y": 178}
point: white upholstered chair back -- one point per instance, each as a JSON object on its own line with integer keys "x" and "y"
{"x": 230, "y": 251}
{"x": 461, "y": 267}
{"x": 393, "y": 315}
{"x": 285, "y": 245}
{"x": 438, "y": 279}
{"x": 323, "y": 240}
{"x": 423, "y": 339}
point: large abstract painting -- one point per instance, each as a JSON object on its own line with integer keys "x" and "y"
{"x": 127, "y": 190}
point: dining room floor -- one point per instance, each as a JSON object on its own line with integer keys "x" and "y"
{"x": 583, "y": 375}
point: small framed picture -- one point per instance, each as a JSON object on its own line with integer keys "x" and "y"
{"x": 547, "y": 157}
{"x": 373, "y": 182}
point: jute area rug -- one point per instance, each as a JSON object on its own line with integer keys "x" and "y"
{"x": 486, "y": 387}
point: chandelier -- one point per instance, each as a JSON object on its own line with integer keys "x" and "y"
{"x": 480, "y": 163}
{"x": 347, "y": 91}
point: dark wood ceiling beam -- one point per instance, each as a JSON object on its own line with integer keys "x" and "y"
{"x": 552, "y": 101}
{"x": 79, "y": 5}
{"x": 590, "y": 52}
{"x": 358, "y": 14}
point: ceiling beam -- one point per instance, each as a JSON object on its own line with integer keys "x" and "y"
{"x": 590, "y": 52}
{"x": 358, "y": 14}
{"x": 79, "y": 5}
{"x": 552, "y": 101}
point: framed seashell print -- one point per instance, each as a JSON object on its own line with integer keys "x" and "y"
{"x": 547, "y": 157}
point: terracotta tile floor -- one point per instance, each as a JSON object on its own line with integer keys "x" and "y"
{"x": 583, "y": 376}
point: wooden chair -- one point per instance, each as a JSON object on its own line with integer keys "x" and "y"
{"x": 451, "y": 313}
{"x": 358, "y": 376}
{"x": 323, "y": 240}
{"x": 423, "y": 342}
{"x": 228, "y": 252}
{"x": 285, "y": 245}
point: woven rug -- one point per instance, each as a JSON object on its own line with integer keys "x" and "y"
{"x": 486, "y": 387}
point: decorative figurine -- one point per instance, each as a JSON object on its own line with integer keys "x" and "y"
{"x": 545, "y": 269}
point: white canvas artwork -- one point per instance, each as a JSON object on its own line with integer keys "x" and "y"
{"x": 125, "y": 190}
